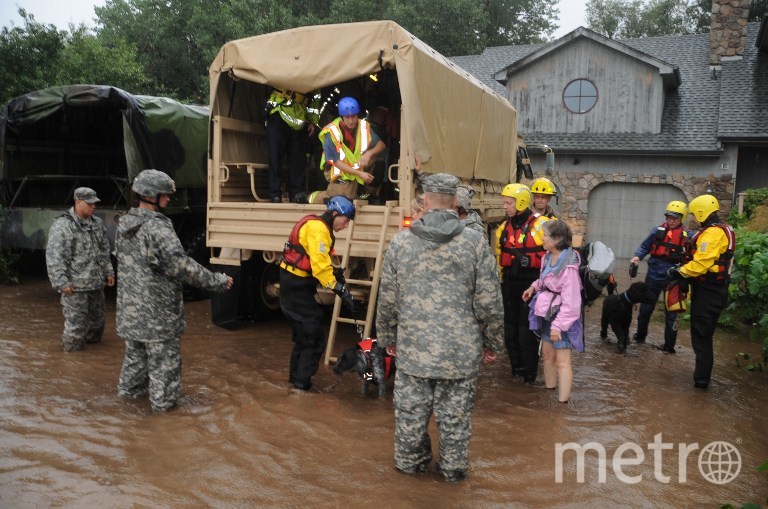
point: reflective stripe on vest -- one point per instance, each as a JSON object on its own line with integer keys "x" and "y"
{"x": 723, "y": 262}
{"x": 671, "y": 245}
{"x": 363, "y": 139}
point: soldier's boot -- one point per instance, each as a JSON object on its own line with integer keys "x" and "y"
{"x": 452, "y": 475}
{"x": 73, "y": 345}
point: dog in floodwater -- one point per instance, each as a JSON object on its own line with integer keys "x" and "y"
{"x": 617, "y": 311}
{"x": 371, "y": 363}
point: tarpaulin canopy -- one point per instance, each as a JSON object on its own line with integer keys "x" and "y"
{"x": 450, "y": 120}
{"x": 79, "y": 122}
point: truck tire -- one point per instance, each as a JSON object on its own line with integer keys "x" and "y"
{"x": 253, "y": 297}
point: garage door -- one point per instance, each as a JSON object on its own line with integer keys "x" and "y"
{"x": 622, "y": 214}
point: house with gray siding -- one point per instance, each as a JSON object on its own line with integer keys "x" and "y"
{"x": 637, "y": 123}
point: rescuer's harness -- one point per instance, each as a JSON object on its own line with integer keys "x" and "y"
{"x": 723, "y": 262}
{"x": 294, "y": 253}
{"x": 516, "y": 244}
{"x": 669, "y": 243}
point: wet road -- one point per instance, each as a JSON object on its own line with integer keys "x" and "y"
{"x": 242, "y": 438}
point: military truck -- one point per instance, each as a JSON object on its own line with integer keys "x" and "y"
{"x": 445, "y": 120}
{"x": 57, "y": 139}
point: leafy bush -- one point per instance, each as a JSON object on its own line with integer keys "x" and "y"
{"x": 752, "y": 199}
{"x": 748, "y": 292}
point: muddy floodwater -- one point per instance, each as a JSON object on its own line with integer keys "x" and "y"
{"x": 242, "y": 438}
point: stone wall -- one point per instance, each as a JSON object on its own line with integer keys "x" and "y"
{"x": 728, "y": 29}
{"x": 576, "y": 187}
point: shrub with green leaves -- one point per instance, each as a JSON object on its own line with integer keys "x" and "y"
{"x": 748, "y": 292}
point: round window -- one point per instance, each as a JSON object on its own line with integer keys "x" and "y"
{"x": 580, "y": 96}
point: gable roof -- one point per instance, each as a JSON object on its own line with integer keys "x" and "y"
{"x": 668, "y": 72}
{"x": 704, "y": 108}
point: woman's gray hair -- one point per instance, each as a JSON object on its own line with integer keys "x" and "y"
{"x": 559, "y": 232}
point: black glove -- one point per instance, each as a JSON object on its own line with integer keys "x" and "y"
{"x": 673, "y": 273}
{"x": 338, "y": 273}
{"x": 347, "y": 301}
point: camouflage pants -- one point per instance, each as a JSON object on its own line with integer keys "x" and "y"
{"x": 83, "y": 318}
{"x": 415, "y": 399}
{"x": 152, "y": 367}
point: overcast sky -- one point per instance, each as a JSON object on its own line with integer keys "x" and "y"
{"x": 63, "y": 12}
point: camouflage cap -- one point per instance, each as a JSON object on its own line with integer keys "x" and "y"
{"x": 440, "y": 183}
{"x": 464, "y": 196}
{"x": 86, "y": 194}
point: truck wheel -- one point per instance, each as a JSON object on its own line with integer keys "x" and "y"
{"x": 263, "y": 299}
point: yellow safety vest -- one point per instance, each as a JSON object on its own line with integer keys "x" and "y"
{"x": 363, "y": 140}
{"x": 294, "y": 108}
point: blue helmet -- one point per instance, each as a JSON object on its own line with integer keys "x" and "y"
{"x": 343, "y": 206}
{"x": 348, "y": 106}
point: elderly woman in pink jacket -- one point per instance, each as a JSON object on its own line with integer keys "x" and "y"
{"x": 556, "y": 307}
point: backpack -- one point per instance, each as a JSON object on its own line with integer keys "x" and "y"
{"x": 596, "y": 269}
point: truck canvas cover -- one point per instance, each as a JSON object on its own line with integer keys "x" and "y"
{"x": 449, "y": 114}
{"x": 57, "y": 139}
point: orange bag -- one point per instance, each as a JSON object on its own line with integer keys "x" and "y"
{"x": 675, "y": 295}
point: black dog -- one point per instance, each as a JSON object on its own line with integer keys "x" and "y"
{"x": 617, "y": 311}
{"x": 370, "y": 362}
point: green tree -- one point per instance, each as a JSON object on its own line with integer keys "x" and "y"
{"x": 629, "y": 19}
{"x": 38, "y": 56}
{"x": 757, "y": 9}
{"x": 85, "y": 59}
{"x": 448, "y": 26}
{"x": 520, "y": 21}
{"x": 29, "y": 56}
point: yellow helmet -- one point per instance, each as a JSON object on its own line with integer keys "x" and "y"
{"x": 703, "y": 206}
{"x": 543, "y": 185}
{"x": 520, "y": 193}
{"x": 677, "y": 208}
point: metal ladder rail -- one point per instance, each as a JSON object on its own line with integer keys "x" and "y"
{"x": 372, "y": 284}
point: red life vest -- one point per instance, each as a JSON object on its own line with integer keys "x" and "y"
{"x": 723, "y": 262}
{"x": 669, "y": 243}
{"x": 294, "y": 253}
{"x": 366, "y": 345}
{"x": 512, "y": 247}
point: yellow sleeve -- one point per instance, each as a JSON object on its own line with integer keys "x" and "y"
{"x": 498, "y": 244}
{"x": 537, "y": 231}
{"x": 709, "y": 246}
{"x": 316, "y": 240}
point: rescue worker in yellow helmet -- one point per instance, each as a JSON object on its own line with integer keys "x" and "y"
{"x": 291, "y": 120}
{"x": 519, "y": 251}
{"x": 350, "y": 146}
{"x": 306, "y": 262}
{"x": 706, "y": 268}
{"x": 666, "y": 247}
{"x": 543, "y": 190}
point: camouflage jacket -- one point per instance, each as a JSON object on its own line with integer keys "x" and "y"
{"x": 440, "y": 300}
{"x": 77, "y": 254}
{"x": 474, "y": 221}
{"x": 152, "y": 267}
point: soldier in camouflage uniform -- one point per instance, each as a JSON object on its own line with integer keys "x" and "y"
{"x": 468, "y": 217}
{"x": 440, "y": 313}
{"x": 78, "y": 262}
{"x": 152, "y": 267}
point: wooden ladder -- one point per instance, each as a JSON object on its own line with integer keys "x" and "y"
{"x": 365, "y": 287}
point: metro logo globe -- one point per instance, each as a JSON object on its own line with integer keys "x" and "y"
{"x": 719, "y": 462}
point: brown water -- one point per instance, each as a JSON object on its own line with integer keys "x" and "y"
{"x": 242, "y": 438}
